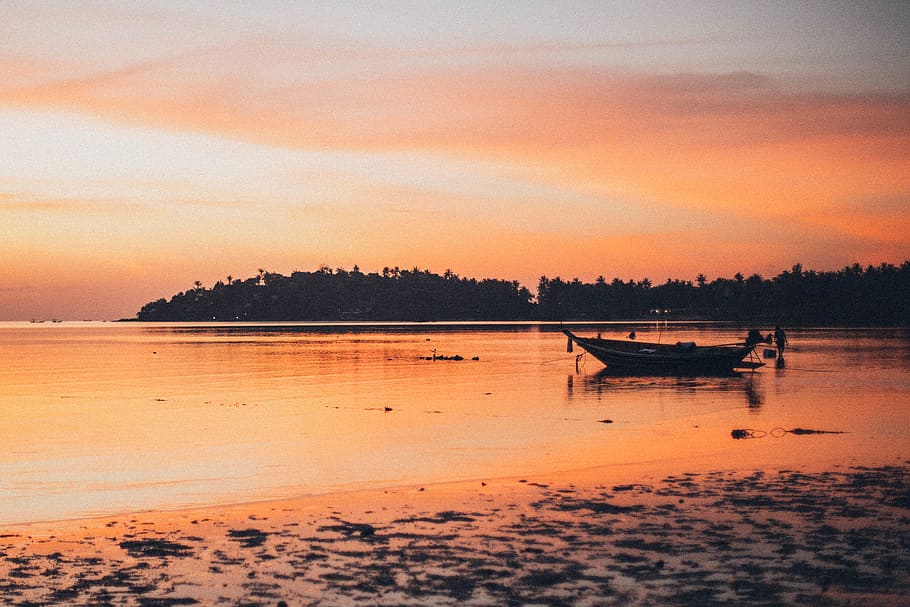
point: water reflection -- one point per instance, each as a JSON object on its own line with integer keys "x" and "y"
{"x": 606, "y": 383}
{"x": 333, "y": 328}
{"x": 105, "y": 417}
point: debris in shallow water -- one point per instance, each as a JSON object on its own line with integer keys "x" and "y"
{"x": 363, "y": 530}
{"x": 741, "y": 433}
{"x": 455, "y": 357}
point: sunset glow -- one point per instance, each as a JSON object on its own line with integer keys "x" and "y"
{"x": 149, "y": 145}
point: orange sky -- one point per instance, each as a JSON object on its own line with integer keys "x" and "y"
{"x": 149, "y": 146}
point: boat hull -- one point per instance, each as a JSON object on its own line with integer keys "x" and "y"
{"x": 665, "y": 359}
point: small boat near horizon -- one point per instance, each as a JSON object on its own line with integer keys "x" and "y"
{"x": 682, "y": 358}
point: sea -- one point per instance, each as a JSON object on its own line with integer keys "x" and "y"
{"x": 102, "y": 418}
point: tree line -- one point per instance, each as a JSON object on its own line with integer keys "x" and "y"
{"x": 329, "y": 295}
{"x": 855, "y": 295}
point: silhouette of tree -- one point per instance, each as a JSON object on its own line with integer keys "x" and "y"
{"x": 852, "y": 296}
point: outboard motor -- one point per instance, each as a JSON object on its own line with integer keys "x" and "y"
{"x": 754, "y": 337}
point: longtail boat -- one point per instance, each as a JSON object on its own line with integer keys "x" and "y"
{"x": 681, "y": 358}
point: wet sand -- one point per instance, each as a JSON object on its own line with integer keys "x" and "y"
{"x": 783, "y": 537}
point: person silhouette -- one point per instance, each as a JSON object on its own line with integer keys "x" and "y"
{"x": 780, "y": 339}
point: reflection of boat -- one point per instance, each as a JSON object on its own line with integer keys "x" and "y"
{"x": 681, "y": 358}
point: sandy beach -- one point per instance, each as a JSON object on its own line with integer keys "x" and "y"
{"x": 782, "y": 537}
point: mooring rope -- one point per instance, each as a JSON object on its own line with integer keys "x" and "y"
{"x": 561, "y": 359}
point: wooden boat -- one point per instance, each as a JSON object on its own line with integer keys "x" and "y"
{"x": 681, "y": 358}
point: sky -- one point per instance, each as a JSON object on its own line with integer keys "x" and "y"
{"x": 147, "y": 145}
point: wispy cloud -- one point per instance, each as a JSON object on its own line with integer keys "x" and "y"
{"x": 741, "y": 142}
{"x": 394, "y": 104}
{"x": 21, "y": 202}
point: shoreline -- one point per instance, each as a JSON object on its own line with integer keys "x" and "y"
{"x": 614, "y": 473}
{"x": 831, "y": 535}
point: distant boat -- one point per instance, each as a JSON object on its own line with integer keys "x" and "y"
{"x": 681, "y": 358}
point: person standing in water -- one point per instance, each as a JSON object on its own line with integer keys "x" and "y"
{"x": 780, "y": 338}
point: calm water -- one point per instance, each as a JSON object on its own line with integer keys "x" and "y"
{"x": 103, "y": 418}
